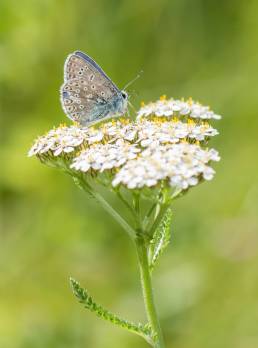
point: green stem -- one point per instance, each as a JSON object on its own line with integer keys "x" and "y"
{"x": 150, "y": 211}
{"x": 128, "y": 206}
{"x": 86, "y": 187}
{"x": 114, "y": 214}
{"x": 136, "y": 204}
{"x": 146, "y": 283}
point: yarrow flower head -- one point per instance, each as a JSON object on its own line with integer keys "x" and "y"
{"x": 180, "y": 108}
{"x": 147, "y": 163}
{"x": 166, "y": 145}
{"x": 58, "y": 141}
{"x": 101, "y": 157}
{"x": 183, "y": 165}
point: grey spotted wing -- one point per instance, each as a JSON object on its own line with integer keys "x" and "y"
{"x": 87, "y": 89}
{"x": 81, "y": 103}
{"x": 78, "y": 63}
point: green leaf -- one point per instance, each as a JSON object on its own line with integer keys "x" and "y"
{"x": 161, "y": 238}
{"x": 88, "y": 302}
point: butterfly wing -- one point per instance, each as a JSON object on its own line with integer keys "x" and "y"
{"x": 76, "y": 61}
{"x": 87, "y": 90}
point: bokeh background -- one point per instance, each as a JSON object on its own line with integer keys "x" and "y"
{"x": 207, "y": 282}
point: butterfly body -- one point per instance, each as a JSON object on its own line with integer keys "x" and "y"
{"x": 88, "y": 95}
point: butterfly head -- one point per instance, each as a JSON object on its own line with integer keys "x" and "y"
{"x": 124, "y": 101}
{"x": 124, "y": 95}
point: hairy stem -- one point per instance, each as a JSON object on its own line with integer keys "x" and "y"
{"x": 114, "y": 214}
{"x": 124, "y": 201}
{"x": 136, "y": 205}
{"x": 86, "y": 187}
{"x": 146, "y": 283}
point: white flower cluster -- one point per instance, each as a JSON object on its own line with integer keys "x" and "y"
{"x": 59, "y": 140}
{"x": 67, "y": 139}
{"x": 101, "y": 157}
{"x": 140, "y": 153}
{"x": 182, "y": 164}
{"x": 155, "y": 132}
{"x": 172, "y": 107}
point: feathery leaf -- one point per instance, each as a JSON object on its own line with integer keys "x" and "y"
{"x": 84, "y": 298}
{"x": 161, "y": 238}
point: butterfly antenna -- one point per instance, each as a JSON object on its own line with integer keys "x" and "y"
{"x": 132, "y": 92}
{"x": 132, "y": 81}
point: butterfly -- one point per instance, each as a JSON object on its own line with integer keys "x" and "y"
{"x": 88, "y": 95}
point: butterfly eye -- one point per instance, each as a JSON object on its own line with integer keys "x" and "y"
{"x": 124, "y": 95}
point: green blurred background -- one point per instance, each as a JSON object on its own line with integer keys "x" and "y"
{"x": 207, "y": 282}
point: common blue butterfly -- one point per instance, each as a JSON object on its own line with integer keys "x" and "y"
{"x": 88, "y": 95}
